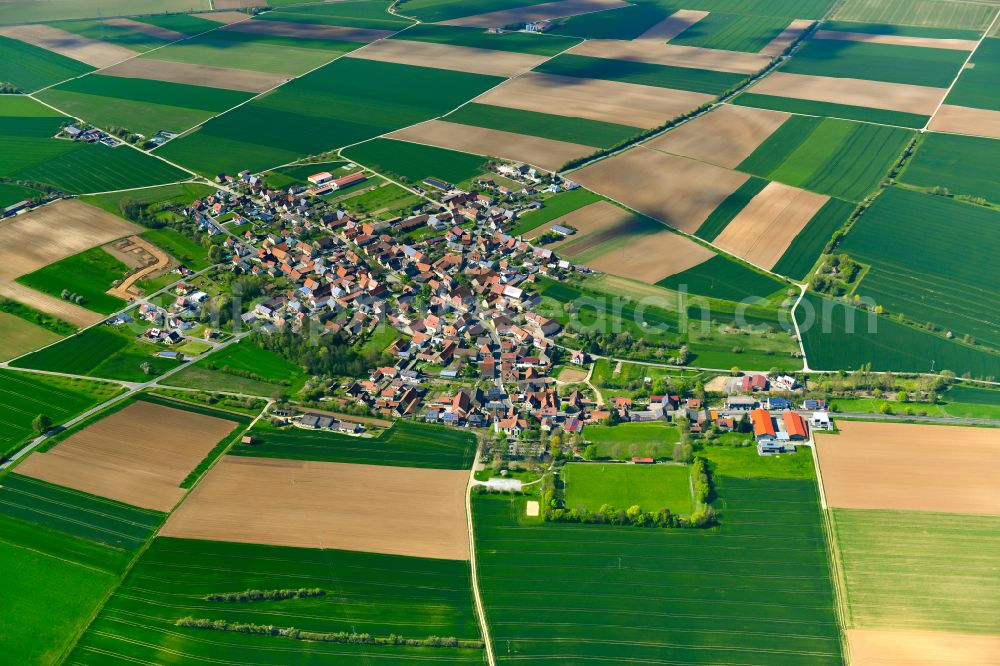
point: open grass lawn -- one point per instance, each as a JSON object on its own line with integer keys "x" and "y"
{"x": 744, "y": 462}
{"x": 412, "y": 162}
{"x": 89, "y": 274}
{"x": 342, "y": 103}
{"x": 388, "y": 198}
{"x": 629, "y": 71}
{"x": 546, "y": 125}
{"x": 730, "y": 207}
{"x": 242, "y": 368}
{"x": 756, "y": 590}
{"x": 965, "y": 165}
{"x": 29, "y": 11}
{"x": 23, "y": 396}
{"x": 141, "y": 105}
{"x": 915, "y": 65}
{"x": 933, "y": 13}
{"x": 361, "y": 592}
{"x": 801, "y": 255}
{"x": 31, "y": 67}
{"x": 180, "y": 247}
{"x": 829, "y": 156}
{"x": 839, "y": 337}
{"x": 732, "y": 32}
{"x": 100, "y": 351}
{"x": 555, "y": 206}
{"x": 977, "y": 86}
{"x": 519, "y": 42}
{"x": 21, "y": 336}
{"x": 723, "y": 278}
{"x": 652, "y": 487}
{"x": 628, "y": 440}
{"x": 931, "y": 260}
{"x": 920, "y": 570}
{"x": 827, "y": 109}
{"x": 405, "y": 444}
{"x": 353, "y": 13}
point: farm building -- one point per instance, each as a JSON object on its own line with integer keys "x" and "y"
{"x": 763, "y": 425}
{"x": 754, "y": 383}
{"x": 345, "y": 181}
{"x": 795, "y": 426}
{"x": 740, "y": 403}
{"x": 320, "y": 178}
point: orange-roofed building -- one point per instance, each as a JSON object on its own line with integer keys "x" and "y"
{"x": 763, "y": 427}
{"x": 795, "y": 426}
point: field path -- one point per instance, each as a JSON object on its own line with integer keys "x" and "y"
{"x": 484, "y": 628}
{"x": 965, "y": 65}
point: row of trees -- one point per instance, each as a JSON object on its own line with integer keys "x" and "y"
{"x": 266, "y": 595}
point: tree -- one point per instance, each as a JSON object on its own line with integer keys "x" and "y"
{"x": 734, "y": 371}
{"x": 590, "y": 453}
{"x": 147, "y": 368}
{"x": 42, "y": 424}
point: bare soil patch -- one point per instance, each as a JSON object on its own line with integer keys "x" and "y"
{"x": 139, "y": 254}
{"x": 196, "y": 75}
{"x": 545, "y": 153}
{"x": 84, "y": 49}
{"x": 138, "y": 455}
{"x": 675, "y": 190}
{"x": 910, "y": 467}
{"x": 148, "y": 29}
{"x": 652, "y": 257}
{"x": 761, "y": 232}
{"x": 871, "y": 647}
{"x": 224, "y": 17}
{"x": 310, "y": 31}
{"x": 966, "y": 120}
{"x": 548, "y": 10}
{"x": 594, "y": 99}
{"x": 572, "y": 375}
{"x": 370, "y": 508}
{"x": 725, "y": 136}
{"x": 857, "y": 92}
{"x": 899, "y": 40}
{"x": 591, "y": 218}
{"x": 50, "y": 233}
{"x": 673, "y": 25}
{"x": 446, "y": 56}
{"x": 673, "y": 55}
{"x": 786, "y": 37}
{"x": 531, "y": 508}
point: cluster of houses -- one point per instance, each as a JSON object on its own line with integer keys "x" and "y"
{"x": 89, "y": 134}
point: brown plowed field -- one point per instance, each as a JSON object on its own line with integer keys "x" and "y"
{"x": 871, "y": 647}
{"x": 587, "y": 220}
{"x": 310, "y": 31}
{"x": 903, "y": 466}
{"x": 763, "y": 230}
{"x": 675, "y": 190}
{"x": 786, "y": 37}
{"x": 966, "y": 120}
{"x": 138, "y": 455}
{"x": 196, "y": 75}
{"x": 224, "y": 17}
{"x": 148, "y": 29}
{"x": 873, "y": 94}
{"x": 607, "y": 101}
{"x": 84, "y": 49}
{"x": 899, "y": 40}
{"x": 725, "y": 136}
{"x": 395, "y": 510}
{"x": 652, "y": 257}
{"x": 673, "y": 25}
{"x": 545, "y": 153}
{"x": 446, "y": 56}
{"x": 548, "y": 10}
{"x": 673, "y": 55}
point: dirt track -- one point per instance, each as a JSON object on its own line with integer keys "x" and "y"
{"x": 966, "y": 120}
{"x": 873, "y": 94}
{"x": 911, "y": 467}
{"x": 395, "y": 510}
{"x": 446, "y": 56}
{"x": 725, "y": 136}
{"x": 548, "y": 10}
{"x": 138, "y": 455}
{"x": 673, "y": 55}
{"x": 196, "y": 75}
{"x": 125, "y": 290}
{"x": 91, "y": 51}
{"x": 870, "y": 647}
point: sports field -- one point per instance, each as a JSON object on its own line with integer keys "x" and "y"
{"x": 628, "y": 440}
{"x": 31, "y": 67}
{"x": 836, "y": 157}
{"x": 676, "y": 595}
{"x": 405, "y": 444}
{"x": 355, "y": 592}
{"x": 652, "y": 487}
{"x": 412, "y": 162}
{"x": 929, "y": 270}
{"x": 927, "y": 13}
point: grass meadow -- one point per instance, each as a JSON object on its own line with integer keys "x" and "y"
{"x": 629, "y": 440}
{"x": 21, "y": 336}
{"x": 31, "y": 67}
{"x": 405, "y": 444}
{"x": 830, "y": 110}
{"x": 412, "y": 162}
{"x": 744, "y": 462}
{"x": 642, "y": 73}
{"x": 242, "y": 368}
{"x": 965, "y": 165}
{"x": 652, "y": 487}
{"x": 89, "y": 274}
{"x": 546, "y": 125}
{"x": 757, "y": 589}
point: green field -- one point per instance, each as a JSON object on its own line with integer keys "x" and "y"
{"x": 298, "y": 174}
{"x": 405, "y": 444}
{"x": 723, "y": 278}
{"x": 744, "y": 462}
{"x": 732, "y": 32}
{"x": 353, "y": 13}
{"x": 730, "y": 208}
{"x": 840, "y": 337}
{"x": 89, "y": 274}
{"x": 931, "y": 260}
{"x": 556, "y": 206}
{"x": 901, "y": 30}
{"x": 412, "y": 162}
{"x": 829, "y": 156}
{"x": 918, "y": 570}
{"x": 242, "y": 368}
{"x": 430, "y": 11}
{"x": 23, "y": 396}
{"x": 184, "y": 23}
{"x": 678, "y": 596}
{"x": 546, "y": 125}
{"x": 622, "y": 23}
{"x": 141, "y": 105}
{"x": 977, "y": 86}
{"x": 519, "y": 42}
{"x": 628, "y": 440}
{"x": 21, "y": 336}
{"x": 31, "y": 67}
{"x": 179, "y": 246}
{"x": 342, "y": 103}
{"x": 914, "y": 65}
{"x": 100, "y": 351}
{"x": 826, "y": 109}
{"x": 630, "y": 71}
{"x": 118, "y": 35}
{"x": 30, "y": 11}
{"x": 805, "y": 249}
{"x": 965, "y": 165}
{"x": 361, "y": 592}
{"x": 932, "y": 13}
{"x": 11, "y": 194}
{"x": 652, "y": 487}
